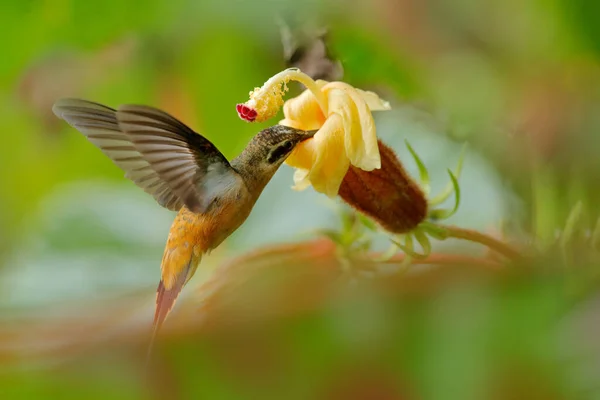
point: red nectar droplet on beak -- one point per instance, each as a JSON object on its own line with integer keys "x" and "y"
{"x": 246, "y": 113}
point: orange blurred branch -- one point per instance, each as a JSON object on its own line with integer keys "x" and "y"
{"x": 447, "y": 259}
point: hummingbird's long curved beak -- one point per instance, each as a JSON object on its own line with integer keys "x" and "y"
{"x": 304, "y": 135}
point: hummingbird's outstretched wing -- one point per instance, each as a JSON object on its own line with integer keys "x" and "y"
{"x": 160, "y": 154}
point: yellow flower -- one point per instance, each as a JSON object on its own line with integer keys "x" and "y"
{"x": 341, "y": 114}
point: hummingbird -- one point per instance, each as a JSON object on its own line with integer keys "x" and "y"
{"x": 184, "y": 172}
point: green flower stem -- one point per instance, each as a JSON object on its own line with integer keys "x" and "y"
{"x": 481, "y": 238}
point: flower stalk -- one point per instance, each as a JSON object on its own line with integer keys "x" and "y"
{"x": 481, "y": 238}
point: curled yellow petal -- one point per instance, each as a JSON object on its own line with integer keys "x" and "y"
{"x": 374, "y": 102}
{"x": 366, "y": 154}
{"x": 321, "y": 161}
{"x": 301, "y": 180}
{"x": 293, "y": 124}
{"x": 305, "y": 109}
{"x": 341, "y": 103}
{"x": 303, "y": 154}
{"x": 329, "y": 163}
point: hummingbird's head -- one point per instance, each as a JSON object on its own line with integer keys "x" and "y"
{"x": 275, "y": 144}
{"x": 267, "y": 151}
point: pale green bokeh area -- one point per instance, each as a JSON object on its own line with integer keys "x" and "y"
{"x": 76, "y": 236}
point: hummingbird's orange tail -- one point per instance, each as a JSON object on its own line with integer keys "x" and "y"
{"x": 165, "y": 300}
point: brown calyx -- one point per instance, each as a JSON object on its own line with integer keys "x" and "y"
{"x": 388, "y": 195}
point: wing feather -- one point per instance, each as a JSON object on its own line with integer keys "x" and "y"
{"x": 99, "y": 124}
{"x": 184, "y": 159}
{"x": 157, "y": 152}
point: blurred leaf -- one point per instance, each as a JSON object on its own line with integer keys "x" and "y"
{"x": 583, "y": 16}
{"x": 545, "y": 207}
{"x": 451, "y": 187}
{"x": 596, "y": 236}
{"x": 423, "y": 173}
{"x": 447, "y": 213}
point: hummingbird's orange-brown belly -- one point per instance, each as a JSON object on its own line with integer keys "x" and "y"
{"x": 193, "y": 235}
{"x": 204, "y": 232}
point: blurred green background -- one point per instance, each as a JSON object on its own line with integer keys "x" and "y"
{"x": 80, "y": 246}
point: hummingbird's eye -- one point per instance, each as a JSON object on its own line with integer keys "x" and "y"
{"x": 281, "y": 150}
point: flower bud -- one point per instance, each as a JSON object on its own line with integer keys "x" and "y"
{"x": 388, "y": 194}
